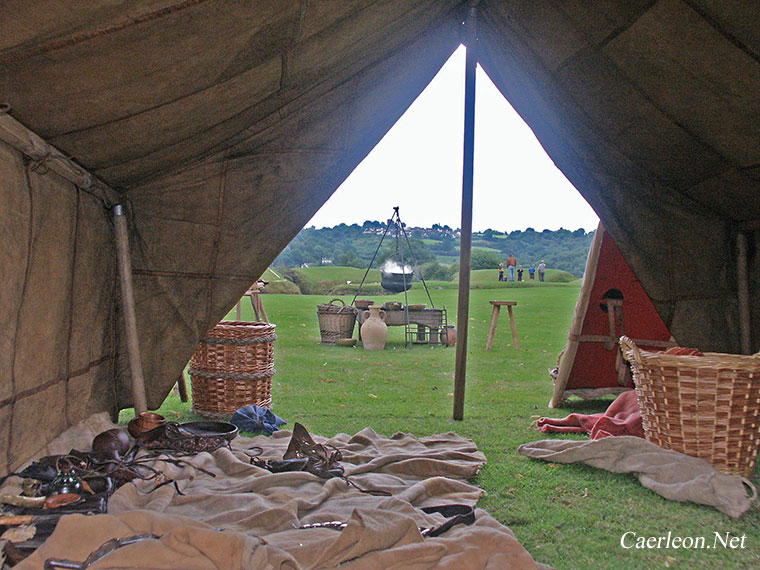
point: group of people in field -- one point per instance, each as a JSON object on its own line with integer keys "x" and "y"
{"x": 513, "y": 267}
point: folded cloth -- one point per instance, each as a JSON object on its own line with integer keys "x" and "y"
{"x": 257, "y": 419}
{"x": 621, "y": 418}
{"x": 668, "y": 473}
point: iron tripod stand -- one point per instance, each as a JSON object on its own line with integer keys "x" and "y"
{"x": 427, "y": 326}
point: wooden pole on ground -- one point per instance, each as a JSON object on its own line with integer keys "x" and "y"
{"x": 465, "y": 243}
{"x": 182, "y": 387}
{"x": 743, "y": 293}
{"x": 128, "y": 308}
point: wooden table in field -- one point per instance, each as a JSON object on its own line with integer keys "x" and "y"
{"x": 497, "y": 305}
{"x": 425, "y": 319}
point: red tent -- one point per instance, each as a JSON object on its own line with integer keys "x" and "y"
{"x": 612, "y": 302}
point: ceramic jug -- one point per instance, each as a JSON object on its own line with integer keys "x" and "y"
{"x": 374, "y": 331}
{"x": 449, "y": 335}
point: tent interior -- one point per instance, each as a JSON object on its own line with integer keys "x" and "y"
{"x": 224, "y": 126}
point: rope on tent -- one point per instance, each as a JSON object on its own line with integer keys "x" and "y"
{"x": 46, "y": 158}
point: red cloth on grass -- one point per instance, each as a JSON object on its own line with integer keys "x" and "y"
{"x": 621, "y": 418}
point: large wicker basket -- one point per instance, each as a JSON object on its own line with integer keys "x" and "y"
{"x": 232, "y": 368}
{"x": 704, "y": 406}
{"x": 336, "y": 321}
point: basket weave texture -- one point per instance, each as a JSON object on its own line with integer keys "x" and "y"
{"x": 232, "y": 368}
{"x": 704, "y": 406}
{"x": 336, "y": 321}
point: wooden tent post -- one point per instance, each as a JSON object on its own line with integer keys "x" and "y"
{"x": 568, "y": 355}
{"x": 465, "y": 242}
{"x": 742, "y": 293}
{"x": 128, "y": 307}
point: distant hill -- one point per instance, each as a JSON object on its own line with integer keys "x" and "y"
{"x": 354, "y": 246}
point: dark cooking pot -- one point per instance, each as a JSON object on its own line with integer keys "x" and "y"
{"x": 397, "y": 282}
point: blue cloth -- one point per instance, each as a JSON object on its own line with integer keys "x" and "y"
{"x": 256, "y": 418}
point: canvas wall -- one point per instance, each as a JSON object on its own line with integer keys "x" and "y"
{"x": 57, "y": 306}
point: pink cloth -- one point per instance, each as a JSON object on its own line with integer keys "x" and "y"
{"x": 621, "y": 418}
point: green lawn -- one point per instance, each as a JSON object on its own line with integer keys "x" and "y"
{"x": 566, "y": 516}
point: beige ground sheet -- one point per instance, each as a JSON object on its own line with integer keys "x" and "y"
{"x": 668, "y": 473}
{"x": 247, "y": 517}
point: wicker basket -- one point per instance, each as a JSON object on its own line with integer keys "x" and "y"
{"x": 336, "y": 321}
{"x": 233, "y": 368}
{"x": 704, "y": 406}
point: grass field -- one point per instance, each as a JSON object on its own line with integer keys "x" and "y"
{"x": 567, "y": 516}
{"x": 323, "y": 278}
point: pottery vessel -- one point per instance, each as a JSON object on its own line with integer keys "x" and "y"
{"x": 112, "y": 440}
{"x": 374, "y": 331}
{"x": 146, "y": 421}
{"x": 449, "y": 335}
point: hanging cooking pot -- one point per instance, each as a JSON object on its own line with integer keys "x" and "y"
{"x": 396, "y": 282}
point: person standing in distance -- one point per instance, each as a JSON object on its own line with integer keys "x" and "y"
{"x": 511, "y": 263}
{"x": 541, "y": 270}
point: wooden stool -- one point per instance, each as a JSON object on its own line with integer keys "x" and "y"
{"x": 497, "y": 305}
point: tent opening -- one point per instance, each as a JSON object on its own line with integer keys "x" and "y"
{"x": 417, "y": 165}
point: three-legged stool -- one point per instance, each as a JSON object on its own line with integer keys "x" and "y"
{"x": 497, "y": 305}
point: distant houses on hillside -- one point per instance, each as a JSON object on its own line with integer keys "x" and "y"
{"x": 435, "y": 232}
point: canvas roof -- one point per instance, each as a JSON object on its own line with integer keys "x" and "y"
{"x": 227, "y": 125}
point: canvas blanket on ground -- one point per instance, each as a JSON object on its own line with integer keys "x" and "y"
{"x": 668, "y": 473}
{"x": 623, "y": 417}
{"x": 247, "y": 517}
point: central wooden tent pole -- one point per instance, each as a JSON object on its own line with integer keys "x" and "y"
{"x": 128, "y": 308}
{"x": 465, "y": 241}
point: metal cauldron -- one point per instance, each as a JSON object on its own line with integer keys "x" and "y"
{"x": 396, "y": 282}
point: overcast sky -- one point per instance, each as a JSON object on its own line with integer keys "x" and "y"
{"x": 418, "y": 167}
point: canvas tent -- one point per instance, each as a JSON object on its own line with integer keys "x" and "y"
{"x": 223, "y": 126}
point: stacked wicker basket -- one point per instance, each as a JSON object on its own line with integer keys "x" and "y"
{"x": 704, "y": 406}
{"x": 232, "y": 368}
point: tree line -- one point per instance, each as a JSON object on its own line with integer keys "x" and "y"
{"x": 436, "y": 248}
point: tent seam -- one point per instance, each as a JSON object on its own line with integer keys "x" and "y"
{"x": 72, "y": 272}
{"x": 727, "y": 35}
{"x": 75, "y": 39}
{"x": 217, "y": 239}
{"x": 50, "y": 383}
{"x": 30, "y": 240}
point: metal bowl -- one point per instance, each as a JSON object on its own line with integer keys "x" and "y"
{"x": 210, "y": 429}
